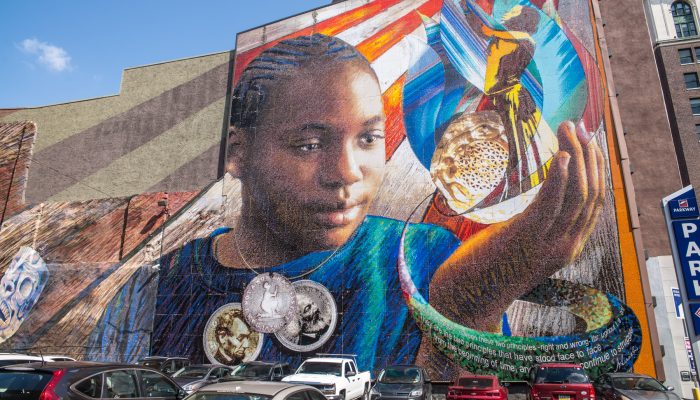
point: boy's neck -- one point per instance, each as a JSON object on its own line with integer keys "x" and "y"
{"x": 253, "y": 244}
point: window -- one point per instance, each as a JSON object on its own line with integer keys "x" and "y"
{"x": 120, "y": 385}
{"x": 155, "y": 385}
{"x": 91, "y": 387}
{"x": 691, "y": 80}
{"x": 297, "y": 396}
{"x": 697, "y": 131}
{"x": 683, "y": 19}
{"x": 695, "y": 106}
{"x": 686, "y": 56}
{"x": 313, "y": 395}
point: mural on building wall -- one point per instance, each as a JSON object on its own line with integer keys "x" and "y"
{"x": 410, "y": 181}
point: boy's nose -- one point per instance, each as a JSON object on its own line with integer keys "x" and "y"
{"x": 342, "y": 168}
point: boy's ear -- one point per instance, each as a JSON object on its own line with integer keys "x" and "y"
{"x": 236, "y": 148}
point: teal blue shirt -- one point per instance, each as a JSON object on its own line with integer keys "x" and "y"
{"x": 373, "y": 319}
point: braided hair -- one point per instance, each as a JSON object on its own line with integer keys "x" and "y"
{"x": 281, "y": 61}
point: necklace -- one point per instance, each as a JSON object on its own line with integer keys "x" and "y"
{"x": 255, "y": 269}
{"x": 272, "y": 304}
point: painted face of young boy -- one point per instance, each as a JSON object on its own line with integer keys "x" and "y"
{"x": 315, "y": 160}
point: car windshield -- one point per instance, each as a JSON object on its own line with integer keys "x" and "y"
{"x": 226, "y": 396}
{"x": 323, "y": 368}
{"x": 473, "y": 382}
{"x": 638, "y": 383}
{"x": 21, "y": 385}
{"x": 561, "y": 375}
{"x": 252, "y": 371}
{"x": 390, "y": 375}
{"x": 191, "y": 372}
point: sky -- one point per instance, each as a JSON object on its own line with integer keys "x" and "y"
{"x": 58, "y": 51}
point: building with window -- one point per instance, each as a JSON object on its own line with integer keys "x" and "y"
{"x": 676, "y": 49}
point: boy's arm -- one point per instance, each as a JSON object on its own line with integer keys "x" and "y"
{"x": 496, "y": 266}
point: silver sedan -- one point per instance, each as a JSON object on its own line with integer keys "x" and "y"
{"x": 253, "y": 390}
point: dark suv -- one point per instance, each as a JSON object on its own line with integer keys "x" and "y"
{"x": 559, "y": 381}
{"x": 85, "y": 380}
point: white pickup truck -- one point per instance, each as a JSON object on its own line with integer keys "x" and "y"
{"x": 338, "y": 378}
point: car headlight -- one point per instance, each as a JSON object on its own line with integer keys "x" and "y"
{"x": 416, "y": 393}
{"x": 328, "y": 389}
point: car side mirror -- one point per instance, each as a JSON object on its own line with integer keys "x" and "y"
{"x": 181, "y": 394}
{"x": 350, "y": 373}
{"x": 670, "y": 388}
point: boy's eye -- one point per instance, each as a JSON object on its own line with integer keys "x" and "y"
{"x": 372, "y": 137}
{"x": 306, "y": 147}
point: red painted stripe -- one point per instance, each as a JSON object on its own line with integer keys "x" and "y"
{"x": 395, "y": 131}
{"x": 389, "y": 36}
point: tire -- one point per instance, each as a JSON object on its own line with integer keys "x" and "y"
{"x": 365, "y": 395}
{"x": 342, "y": 395}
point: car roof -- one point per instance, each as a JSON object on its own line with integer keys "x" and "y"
{"x": 328, "y": 359}
{"x": 264, "y": 388}
{"x": 403, "y": 366}
{"x": 258, "y": 363}
{"x": 17, "y": 356}
{"x": 52, "y": 366}
{"x": 149, "y": 358}
{"x": 626, "y": 375}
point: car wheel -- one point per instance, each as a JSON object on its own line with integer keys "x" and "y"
{"x": 365, "y": 395}
{"x": 342, "y": 395}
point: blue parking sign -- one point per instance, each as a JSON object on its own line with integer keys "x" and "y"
{"x": 687, "y": 235}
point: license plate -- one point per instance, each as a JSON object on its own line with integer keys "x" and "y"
{"x": 564, "y": 397}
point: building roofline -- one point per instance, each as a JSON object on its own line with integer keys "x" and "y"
{"x": 178, "y": 59}
{"x": 121, "y": 81}
{"x": 676, "y": 41}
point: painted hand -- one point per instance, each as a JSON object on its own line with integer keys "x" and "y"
{"x": 505, "y": 261}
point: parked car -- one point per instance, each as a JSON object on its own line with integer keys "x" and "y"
{"x": 167, "y": 365}
{"x": 336, "y": 377}
{"x": 16, "y": 358}
{"x": 616, "y": 386}
{"x": 561, "y": 382}
{"x": 258, "y": 371}
{"x": 402, "y": 382}
{"x": 256, "y": 390}
{"x": 477, "y": 387}
{"x": 192, "y": 377}
{"x": 80, "y": 380}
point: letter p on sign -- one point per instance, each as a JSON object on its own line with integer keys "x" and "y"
{"x": 688, "y": 229}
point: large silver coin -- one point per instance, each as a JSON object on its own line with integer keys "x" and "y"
{"x": 269, "y": 302}
{"x": 228, "y": 339}
{"x": 315, "y": 319}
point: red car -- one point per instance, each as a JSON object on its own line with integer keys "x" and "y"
{"x": 560, "y": 382}
{"x": 477, "y": 387}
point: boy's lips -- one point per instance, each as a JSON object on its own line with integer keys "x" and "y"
{"x": 339, "y": 215}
